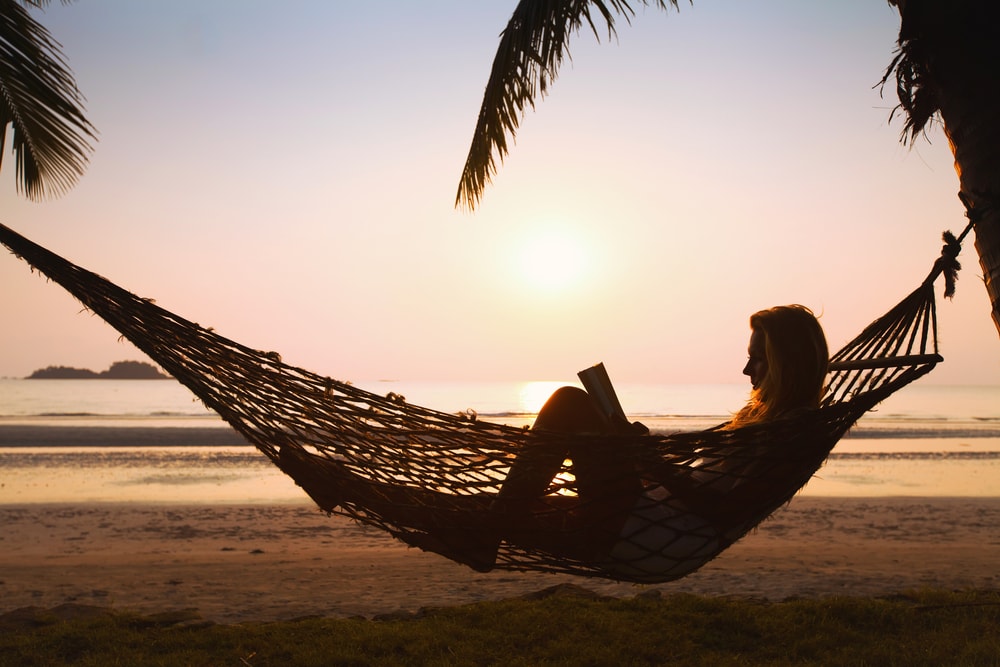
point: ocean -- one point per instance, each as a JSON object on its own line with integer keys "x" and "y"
{"x": 153, "y": 441}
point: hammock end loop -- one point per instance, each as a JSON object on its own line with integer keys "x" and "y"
{"x": 947, "y": 263}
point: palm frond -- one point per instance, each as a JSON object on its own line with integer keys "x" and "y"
{"x": 910, "y": 67}
{"x": 532, "y": 48}
{"x": 39, "y": 100}
{"x": 944, "y": 49}
{"x": 41, "y": 4}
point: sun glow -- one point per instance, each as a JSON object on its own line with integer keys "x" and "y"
{"x": 552, "y": 261}
{"x": 534, "y": 394}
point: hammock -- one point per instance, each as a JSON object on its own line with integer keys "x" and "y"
{"x": 431, "y": 478}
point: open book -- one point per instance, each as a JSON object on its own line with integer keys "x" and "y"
{"x": 597, "y": 383}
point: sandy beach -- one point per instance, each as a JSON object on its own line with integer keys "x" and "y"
{"x": 235, "y": 563}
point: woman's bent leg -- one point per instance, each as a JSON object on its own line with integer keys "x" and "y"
{"x": 568, "y": 410}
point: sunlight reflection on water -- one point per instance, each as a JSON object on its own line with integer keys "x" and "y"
{"x": 174, "y": 475}
{"x": 242, "y": 475}
{"x": 894, "y": 451}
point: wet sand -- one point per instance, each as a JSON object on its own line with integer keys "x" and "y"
{"x": 235, "y": 563}
{"x": 72, "y": 434}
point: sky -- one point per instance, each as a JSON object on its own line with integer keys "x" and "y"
{"x": 287, "y": 176}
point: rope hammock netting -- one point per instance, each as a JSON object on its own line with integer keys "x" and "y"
{"x": 431, "y": 478}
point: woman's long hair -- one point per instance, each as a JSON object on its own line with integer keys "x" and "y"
{"x": 797, "y": 357}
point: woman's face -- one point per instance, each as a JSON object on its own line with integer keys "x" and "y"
{"x": 756, "y": 366}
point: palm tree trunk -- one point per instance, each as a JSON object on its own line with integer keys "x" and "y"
{"x": 988, "y": 247}
{"x": 950, "y": 65}
{"x": 970, "y": 109}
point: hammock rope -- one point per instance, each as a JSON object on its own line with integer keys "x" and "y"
{"x": 431, "y": 478}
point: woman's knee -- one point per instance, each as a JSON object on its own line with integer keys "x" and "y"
{"x": 570, "y": 409}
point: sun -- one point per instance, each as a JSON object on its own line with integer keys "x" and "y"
{"x": 552, "y": 260}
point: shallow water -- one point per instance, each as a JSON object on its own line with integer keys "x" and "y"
{"x": 242, "y": 475}
{"x": 76, "y": 440}
{"x": 215, "y": 475}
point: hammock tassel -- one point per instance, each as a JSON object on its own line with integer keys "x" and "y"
{"x": 947, "y": 264}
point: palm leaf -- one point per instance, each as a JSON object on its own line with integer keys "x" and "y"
{"x": 915, "y": 86}
{"x": 40, "y": 102}
{"x": 946, "y": 51}
{"x": 532, "y": 48}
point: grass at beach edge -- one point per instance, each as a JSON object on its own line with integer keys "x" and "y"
{"x": 567, "y": 625}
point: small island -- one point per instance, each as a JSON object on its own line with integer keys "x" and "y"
{"x": 120, "y": 370}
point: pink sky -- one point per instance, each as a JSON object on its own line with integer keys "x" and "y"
{"x": 287, "y": 177}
